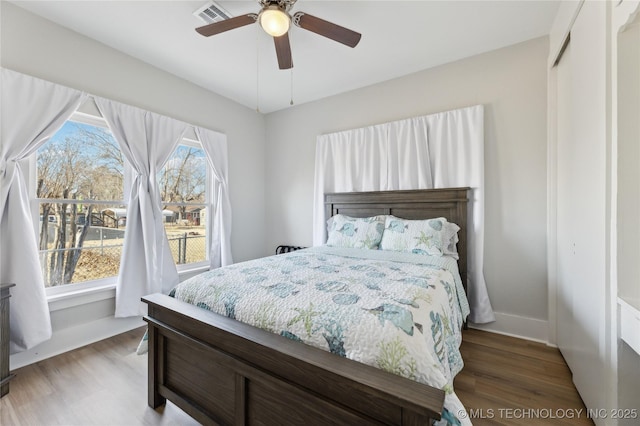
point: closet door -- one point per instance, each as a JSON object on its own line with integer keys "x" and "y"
{"x": 566, "y": 261}
{"x": 582, "y": 224}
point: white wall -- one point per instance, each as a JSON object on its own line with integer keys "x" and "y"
{"x": 512, "y": 84}
{"x": 35, "y": 46}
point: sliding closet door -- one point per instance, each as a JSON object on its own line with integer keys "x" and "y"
{"x": 582, "y": 223}
{"x": 566, "y": 261}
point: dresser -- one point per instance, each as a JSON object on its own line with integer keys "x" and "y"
{"x": 5, "y": 376}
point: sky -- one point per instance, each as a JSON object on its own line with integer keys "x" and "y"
{"x": 71, "y": 128}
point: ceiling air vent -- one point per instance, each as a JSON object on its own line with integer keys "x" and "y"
{"x": 211, "y": 12}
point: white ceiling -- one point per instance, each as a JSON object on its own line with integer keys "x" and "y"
{"x": 398, "y": 38}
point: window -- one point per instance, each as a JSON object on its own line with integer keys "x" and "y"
{"x": 79, "y": 192}
{"x": 81, "y": 213}
{"x": 183, "y": 189}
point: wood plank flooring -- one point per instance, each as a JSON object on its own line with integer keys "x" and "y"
{"x": 105, "y": 384}
{"x": 101, "y": 384}
{"x": 509, "y": 381}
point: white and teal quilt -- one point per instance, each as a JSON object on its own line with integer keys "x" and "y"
{"x": 400, "y": 312}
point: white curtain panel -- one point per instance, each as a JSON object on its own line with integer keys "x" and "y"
{"x": 147, "y": 140}
{"x": 408, "y": 154}
{"x": 377, "y": 158}
{"x": 32, "y": 111}
{"x": 219, "y": 220}
{"x": 349, "y": 161}
{"x": 434, "y": 151}
{"x": 456, "y": 149}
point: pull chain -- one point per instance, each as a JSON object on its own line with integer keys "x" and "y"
{"x": 291, "y": 102}
{"x": 257, "y": 69}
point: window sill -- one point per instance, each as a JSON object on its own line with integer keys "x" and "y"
{"x": 68, "y": 299}
{"x": 192, "y": 270}
{"x": 106, "y": 290}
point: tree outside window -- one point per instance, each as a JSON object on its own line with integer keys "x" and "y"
{"x": 183, "y": 184}
{"x": 79, "y": 180}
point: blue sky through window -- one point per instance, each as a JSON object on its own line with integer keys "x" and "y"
{"x": 80, "y": 131}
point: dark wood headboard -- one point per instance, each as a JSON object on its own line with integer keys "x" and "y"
{"x": 409, "y": 204}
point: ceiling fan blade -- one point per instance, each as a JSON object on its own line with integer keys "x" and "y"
{"x": 227, "y": 24}
{"x": 283, "y": 51}
{"x": 327, "y": 29}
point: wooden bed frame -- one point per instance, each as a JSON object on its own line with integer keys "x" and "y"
{"x": 221, "y": 371}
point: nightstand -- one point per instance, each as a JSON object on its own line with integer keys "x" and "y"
{"x": 5, "y": 376}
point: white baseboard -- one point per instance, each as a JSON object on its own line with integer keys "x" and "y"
{"x": 86, "y": 333}
{"x": 71, "y": 338}
{"x": 82, "y": 317}
{"x": 516, "y": 326}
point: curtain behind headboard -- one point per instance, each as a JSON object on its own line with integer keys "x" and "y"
{"x": 440, "y": 150}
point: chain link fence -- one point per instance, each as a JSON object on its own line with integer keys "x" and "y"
{"x": 99, "y": 260}
{"x": 187, "y": 248}
{"x": 93, "y": 263}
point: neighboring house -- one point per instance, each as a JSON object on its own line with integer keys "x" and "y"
{"x": 193, "y": 216}
{"x": 113, "y": 217}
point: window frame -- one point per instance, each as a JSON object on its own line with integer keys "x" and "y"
{"x": 101, "y": 284}
{"x": 82, "y": 287}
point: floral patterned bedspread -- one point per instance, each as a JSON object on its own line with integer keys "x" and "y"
{"x": 400, "y": 312}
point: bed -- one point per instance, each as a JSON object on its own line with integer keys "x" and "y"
{"x": 223, "y": 371}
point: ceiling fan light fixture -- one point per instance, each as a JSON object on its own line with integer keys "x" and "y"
{"x": 274, "y": 21}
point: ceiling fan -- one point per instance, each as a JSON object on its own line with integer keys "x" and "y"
{"x": 275, "y": 19}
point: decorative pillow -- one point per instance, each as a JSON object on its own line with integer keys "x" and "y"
{"x": 450, "y": 240}
{"x": 345, "y": 231}
{"x": 429, "y": 236}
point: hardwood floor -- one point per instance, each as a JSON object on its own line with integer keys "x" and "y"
{"x": 506, "y": 381}
{"x": 509, "y": 381}
{"x": 101, "y": 384}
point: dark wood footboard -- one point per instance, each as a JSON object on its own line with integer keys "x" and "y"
{"x": 221, "y": 371}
